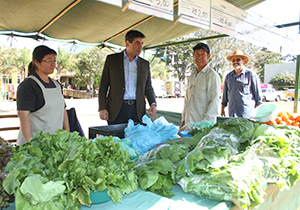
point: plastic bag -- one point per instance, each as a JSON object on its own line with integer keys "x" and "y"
{"x": 241, "y": 181}
{"x": 146, "y": 137}
{"x": 211, "y": 153}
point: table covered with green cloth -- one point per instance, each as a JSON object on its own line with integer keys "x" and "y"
{"x": 143, "y": 200}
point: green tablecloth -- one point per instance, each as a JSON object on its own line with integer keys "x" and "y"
{"x": 142, "y": 200}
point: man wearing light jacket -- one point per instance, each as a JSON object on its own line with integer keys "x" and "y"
{"x": 203, "y": 89}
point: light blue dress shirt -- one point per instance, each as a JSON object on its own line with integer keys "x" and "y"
{"x": 130, "y": 72}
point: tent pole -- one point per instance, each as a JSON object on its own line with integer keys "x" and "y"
{"x": 296, "y": 100}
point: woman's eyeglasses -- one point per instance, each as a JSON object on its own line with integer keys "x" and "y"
{"x": 49, "y": 61}
{"x": 237, "y": 60}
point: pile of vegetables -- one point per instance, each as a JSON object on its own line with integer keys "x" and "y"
{"x": 286, "y": 118}
{"x": 155, "y": 169}
{"x": 211, "y": 153}
{"x": 5, "y": 155}
{"x": 266, "y": 154}
{"x": 60, "y": 171}
{"x": 232, "y": 161}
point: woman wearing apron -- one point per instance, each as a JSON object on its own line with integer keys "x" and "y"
{"x": 40, "y": 103}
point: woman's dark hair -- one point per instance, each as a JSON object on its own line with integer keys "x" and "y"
{"x": 38, "y": 54}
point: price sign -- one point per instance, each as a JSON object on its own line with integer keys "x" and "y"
{"x": 257, "y": 30}
{"x": 222, "y": 19}
{"x": 194, "y": 12}
{"x": 241, "y": 28}
{"x": 158, "y": 8}
{"x": 113, "y": 2}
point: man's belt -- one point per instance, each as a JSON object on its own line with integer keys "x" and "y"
{"x": 129, "y": 102}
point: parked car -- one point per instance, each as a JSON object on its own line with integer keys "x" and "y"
{"x": 270, "y": 94}
{"x": 290, "y": 95}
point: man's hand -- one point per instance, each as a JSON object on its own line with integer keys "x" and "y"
{"x": 103, "y": 114}
{"x": 182, "y": 124}
{"x": 152, "y": 111}
{"x": 222, "y": 110}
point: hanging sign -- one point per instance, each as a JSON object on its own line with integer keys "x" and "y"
{"x": 255, "y": 29}
{"x": 113, "y": 2}
{"x": 194, "y": 12}
{"x": 241, "y": 28}
{"x": 158, "y": 8}
{"x": 222, "y": 17}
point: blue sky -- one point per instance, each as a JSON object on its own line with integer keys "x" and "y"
{"x": 279, "y": 11}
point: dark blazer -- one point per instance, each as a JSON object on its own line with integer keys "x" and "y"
{"x": 112, "y": 86}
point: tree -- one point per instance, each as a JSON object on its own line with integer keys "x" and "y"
{"x": 64, "y": 61}
{"x": 281, "y": 81}
{"x": 159, "y": 70}
{"x": 6, "y": 59}
{"x": 266, "y": 57}
{"x": 179, "y": 57}
{"x": 22, "y": 61}
{"x": 90, "y": 63}
{"x": 12, "y": 58}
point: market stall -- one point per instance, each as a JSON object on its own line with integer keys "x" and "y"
{"x": 236, "y": 164}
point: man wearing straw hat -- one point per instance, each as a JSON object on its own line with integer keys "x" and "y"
{"x": 242, "y": 91}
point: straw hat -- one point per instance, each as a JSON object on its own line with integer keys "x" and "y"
{"x": 238, "y": 53}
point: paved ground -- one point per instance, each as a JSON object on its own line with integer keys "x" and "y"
{"x": 87, "y": 111}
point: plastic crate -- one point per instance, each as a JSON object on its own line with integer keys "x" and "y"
{"x": 109, "y": 130}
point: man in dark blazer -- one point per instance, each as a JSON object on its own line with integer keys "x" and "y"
{"x": 125, "y": 81}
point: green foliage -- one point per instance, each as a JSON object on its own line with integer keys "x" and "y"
{"x": 67, "y": 160}
{"x": 266, "y": 154}
{"x": 155, "y": 169}
{"x": 266, "y": 57}
{"x": 223, "y": 47}
{"x": 65, "y": 60}
{"x": 180, "y": 57}
{"x": 12, "y": 58}
{"x": 90, "y": 63}
{"x": 159, "y": 70}
{"x": 86, "y": 64}
{"x": 5, "y": 155}
{"x": 283, "y": 80}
